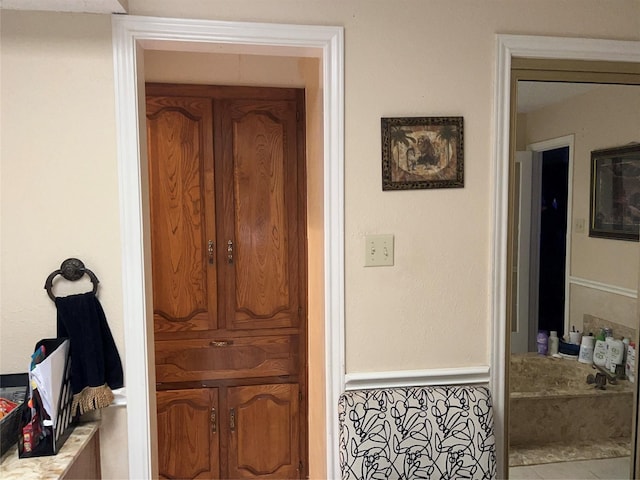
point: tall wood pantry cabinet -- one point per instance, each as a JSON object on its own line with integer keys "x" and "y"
{"x": 228, "y": 240}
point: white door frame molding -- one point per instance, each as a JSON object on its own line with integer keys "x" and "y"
{"x": 538, "y": 148}
{"x": 131, "y": 36}
{"x": 508, "y": 47}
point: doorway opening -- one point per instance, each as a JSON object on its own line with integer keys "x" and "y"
{"x": 554, "y": 386}
{"x": 553, "y": 240}
{"x": 132, "y": 37}
{"x": 565, "y": 59}
{"x": 542, "y": 191}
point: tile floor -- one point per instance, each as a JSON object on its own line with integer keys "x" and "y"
{"x": 609, "y": 468}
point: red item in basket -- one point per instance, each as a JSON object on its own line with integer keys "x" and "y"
{"x": 6, "y": 406}
{"x": 31, "y": 434}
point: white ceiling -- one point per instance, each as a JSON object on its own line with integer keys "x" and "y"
{"x": 81, "y": 6}
{"x": 535, "y": 95}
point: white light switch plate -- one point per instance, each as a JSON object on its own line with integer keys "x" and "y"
{"x": 378, "y": 251}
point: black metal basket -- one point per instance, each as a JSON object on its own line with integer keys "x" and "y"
{"x": 13, "y": 388}
{"x": 52, "y": 438}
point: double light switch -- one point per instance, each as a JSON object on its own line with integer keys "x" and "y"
{"x": 378, "y": 251}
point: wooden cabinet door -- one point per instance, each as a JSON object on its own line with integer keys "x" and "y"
{"x": 260, "y": 210}
{"x": 180, "y": 151}
{"x": 188, "y": 439}
{"x": 201, "y": 359}
{"x": 264, "y": 431}
{"x": 228, "y": 203}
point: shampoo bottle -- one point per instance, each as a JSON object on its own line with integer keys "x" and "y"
{"x": 616, "y": 354}
{"x": 586, "y": 349}
{"x": 600, "y": 353}
{"x": 554, "y": 342}
{"x": 630, "y": 369}
{"x": 607, "y": 362}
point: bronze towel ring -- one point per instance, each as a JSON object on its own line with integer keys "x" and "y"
{"x": 72, "y": 269}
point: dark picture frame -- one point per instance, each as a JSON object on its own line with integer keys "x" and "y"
{"x": 614, "y": 210}
{"x": 422, "y": 152}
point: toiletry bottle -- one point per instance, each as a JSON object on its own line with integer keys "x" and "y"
{"x": 607, "y": 359}
{"x": 543, "y": 342}
{"x": 616, "y": 354}
{"x": 554, "y": 342}
{"x": 600, "y": 353}
{"x": 630, "y": 367}
{"x": 586, "y": 349}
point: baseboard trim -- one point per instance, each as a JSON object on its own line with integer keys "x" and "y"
{"x": 412, "y": 378}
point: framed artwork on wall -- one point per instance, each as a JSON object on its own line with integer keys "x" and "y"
{"x": 615, "y": 193}
{"x": 422, "y": 152}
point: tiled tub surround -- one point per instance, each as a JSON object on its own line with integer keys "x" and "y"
{"x": 593, "y": 324}
{"x": 552, "y": 405}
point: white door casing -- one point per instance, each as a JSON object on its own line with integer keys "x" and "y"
{"x": 131, "y": 36}
{"x": 507, "y": 47}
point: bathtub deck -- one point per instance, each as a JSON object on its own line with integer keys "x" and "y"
{"x": 566, "y": 452}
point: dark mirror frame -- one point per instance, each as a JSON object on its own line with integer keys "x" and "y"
{"x": 614, "y": 207}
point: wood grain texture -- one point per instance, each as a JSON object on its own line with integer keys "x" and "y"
{"x": 246, "y": 357}
{"x": 181, "y": 167}
{"x": 187, "y": 443}
{"x": 227, "y": 164}
{"x": 260, "y": 208}
{"x": 262, "y": 283}
{"x": 265, "y": 440}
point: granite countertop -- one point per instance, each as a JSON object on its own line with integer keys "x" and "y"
{"x": 51, "y": 467}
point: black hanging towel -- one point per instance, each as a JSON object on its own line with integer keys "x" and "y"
{"x": 96, "y": 368}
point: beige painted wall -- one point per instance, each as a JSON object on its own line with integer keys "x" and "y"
{"x": 618, "y": 309}
{"x": 58, "y": 184}
{"x": 59, "y": 189}
{"x": 606, "y": 117}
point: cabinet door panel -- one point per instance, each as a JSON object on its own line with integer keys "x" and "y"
{"x": 264, "y": 438}
{"x": 260, "y": 199}
{"x": 182, "y": 220}
{"x": 244, "y": 357}
{"x": 188, "y": 434}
